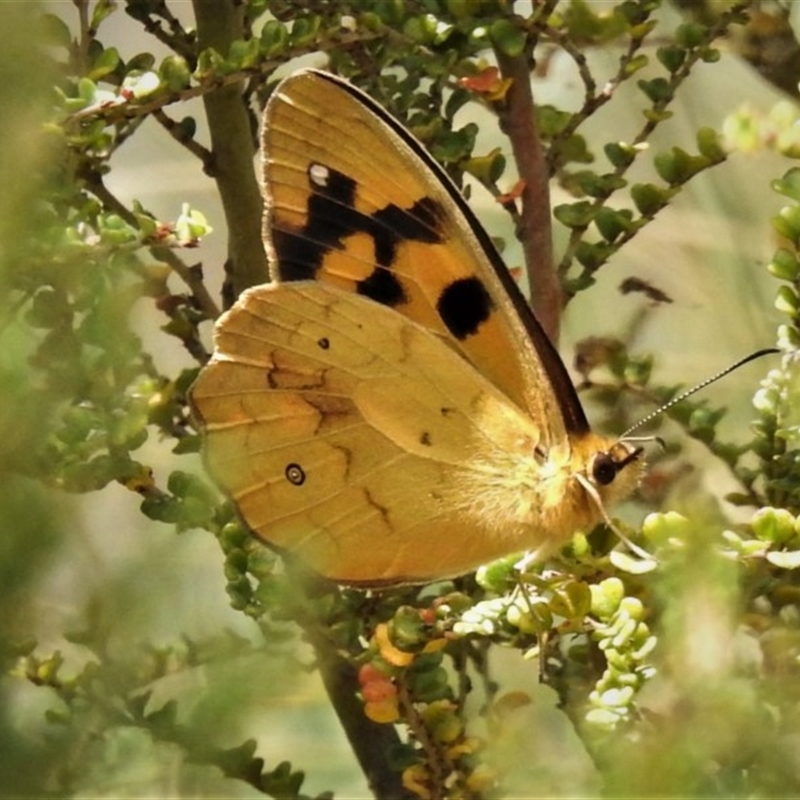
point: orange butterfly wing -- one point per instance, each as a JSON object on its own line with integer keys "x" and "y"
{"x": 355, "y": 201}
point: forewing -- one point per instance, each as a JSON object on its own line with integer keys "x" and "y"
{"x": 355, "y": 201}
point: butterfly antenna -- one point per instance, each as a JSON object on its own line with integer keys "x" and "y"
{"x": 702, "y": 385}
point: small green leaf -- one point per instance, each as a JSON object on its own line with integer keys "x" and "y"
{"x": 498, "y": 576}
{"x": 656, "y": 115}
{"x": 102, "y": 9}
{"x": 773, "y": 524}
{"x": 678, "y": 167}
{"x": 658, "y": 90}
{"x": 464, "y": 9}
{"x": 274, "y": 38}
{"x": 421, "y": 29}
{"x": 596, "y": 185}
{"x": 636, "y": 12}
{"x": 575, "y": 215}
{"x": 175, "y": 73}
{"x": 105, "y": 63}
{"x": 593, "y": 255}
{"x": 649, "y": 199}
{"x": 789, "y": 184}
{"x": 661, "y": 527}
{"x": 638, "y": 62}
{"x": 620, "y": 154}
{"x": 572, "y": 600}
{"x": 612, "y": 223}
{"x": 87, "y": 90}
{"x": 243, "y": 54}
{"x": 786, "y": 300}
{"x": 784, "y": 265}
{"x": 606, "y": 597}
{"x": 787, "y": 223}
{"x": 489, "y": 168}
{"x": 691, "y": 35}
{"x": 551, "y": 121}
{"x": 209, "y": 63}
{"x": 507, "y": 37}
{"x": 54, "y": 31}
{"x": 709, "y": 144}
{"x": 161, "y": 508}
{"x": 671, "y": 56}
{"x": 391, "y": 12}
{"x": 141, "y": 62}
{"x": 305, "y": 30}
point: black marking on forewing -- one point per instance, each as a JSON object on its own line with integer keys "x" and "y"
{"x": 570, "y": 406}
{"x": 331, "y": 217}
{"x": 464, "y": 306}
{"x": 384, "y": 287}
{"x": 389, "y": 227}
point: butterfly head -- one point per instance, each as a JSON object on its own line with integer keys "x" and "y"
{"x": 609, "y": 470}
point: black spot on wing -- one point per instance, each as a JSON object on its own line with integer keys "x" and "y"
{"x": 464, "y": 306}
{"x": 383, "y": 286}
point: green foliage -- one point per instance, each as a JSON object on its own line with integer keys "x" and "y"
{"x": 85, "y": 403}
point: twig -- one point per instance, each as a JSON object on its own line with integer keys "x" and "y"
{"x": 233, "y": 148}
{"x": 114, "y": 111}
{"x": 191, "y": 277}
{"x": 647, "y": 129}
{"x": 190, "y": 143}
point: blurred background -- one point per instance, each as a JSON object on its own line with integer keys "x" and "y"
{"x": 71, "y": 562}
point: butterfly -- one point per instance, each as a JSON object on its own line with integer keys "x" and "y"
{"x": 388, "y": 408}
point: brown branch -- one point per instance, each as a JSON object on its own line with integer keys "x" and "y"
{"x": 518, "y": 122}
{"x": 219, "y": 23}
{"x": 177, "y": 39}
{"x": 372, "y": 742}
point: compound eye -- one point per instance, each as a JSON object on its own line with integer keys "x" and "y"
{"x": 604, "y": 469}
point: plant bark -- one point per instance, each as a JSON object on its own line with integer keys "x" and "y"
{"x": 518, "y": 121}
{"x": 233, "y": 146}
